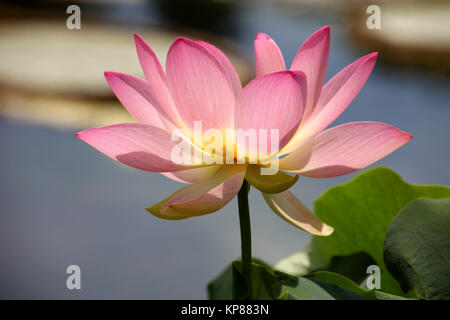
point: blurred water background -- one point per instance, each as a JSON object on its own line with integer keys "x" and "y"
{"x": 63, "y": 203}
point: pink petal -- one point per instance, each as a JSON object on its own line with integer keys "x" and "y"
{"x": 192, "y": 175}
{"x": 156, "y": 78}
{"x": 268, "y": 57}
{"x": 136, "y": 95}
{"x": 292, "y": 210}
{"x": 203, "y": 197}
{"x": 272, "y": 102}
{"x": 344, "y": 149}
{"x": 226, "y": 63}
{"x": 312, "y": 59}
{"x": 338, "y": 93}
{"x": 150, "y": 64}
{"x": 200, "y": 86}
{"x": 138, "y": 145}
{"x": 136, "y": 104}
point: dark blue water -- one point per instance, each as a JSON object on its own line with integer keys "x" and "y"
{"x": 63, "y": 203}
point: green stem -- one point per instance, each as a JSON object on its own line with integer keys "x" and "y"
{"x": 246, "y": 235}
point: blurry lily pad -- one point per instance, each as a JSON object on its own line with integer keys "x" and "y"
{"x": 360, "y": 211}
{"x": 417, "y": 248}
{"x": 267, "y": 285}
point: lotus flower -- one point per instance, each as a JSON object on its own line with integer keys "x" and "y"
{"x": 200, "y": 84}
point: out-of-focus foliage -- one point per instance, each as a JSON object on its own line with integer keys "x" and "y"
{"x": 360, "y": 211}
{"x": 378, "y": 219}
{"x": 417, "y": 248}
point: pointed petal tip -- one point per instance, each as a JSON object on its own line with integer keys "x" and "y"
{"x": 324, "y": 30}
{"x": 407, "y": 135}
{"x": 268, "y": 56}
{"x": 152, "y": 210}
{"x": 183, "y": 39}
{"x": 326, "y": 231}
{"x": 179, "y": 41}
{"x": 403, "y": 135}
{"x": 139, "y": 41}
{"x": 262, "y": 36}
{"x": 157, "y": 212}
{"x": 371, "y": 56}
{"x": 110, "y": 74}
{"x": 80, "y": 134}
{"x": 322, "y": 33}
{"x": 115, "y": 74}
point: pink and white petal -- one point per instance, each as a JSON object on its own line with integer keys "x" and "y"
{"x": 192, "y": 175}
{"x": 344, "y": 149}
{"x": 339, "y": 92}
{"x": 268, "y": 57}
{"x": 200, "y": 86}
{"x": 136, "y": 104}
{"x": 156, "y": 79}
{"x": 312, "y": 59}
{"x": 135, "y": 94}
{"x": 197, "y": 190}
{"x": 154, "y": 73}
{"x": 137, "y": 145}
{"x": 226, "y": 63}
{"x": 203, "y": 197}
{"x": 272, "y": 102}
{"x": 335, "y": 97}
{"x": 292, "y": 210}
